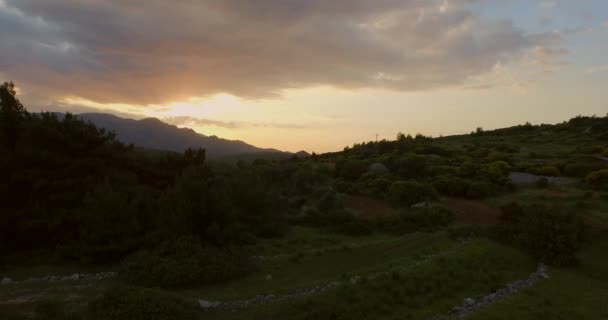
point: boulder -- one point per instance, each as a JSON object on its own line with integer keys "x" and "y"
{"x": 420, "y": 205}
{"x": 469, "y": 302}
{"x": 378, "y": 168}
{"x": 205, "y": 304}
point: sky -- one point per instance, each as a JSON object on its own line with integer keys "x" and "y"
{"x": 314, "y": 75}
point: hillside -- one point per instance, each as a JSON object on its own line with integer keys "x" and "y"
{"x": 95, "y": 229}
{"x": 152, "y": 133}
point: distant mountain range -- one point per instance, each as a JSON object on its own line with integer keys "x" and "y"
{"x": 152, "y": 133}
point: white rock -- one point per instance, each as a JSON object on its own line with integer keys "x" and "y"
{"x": 6, "y": 281}
{"x": 469, "y": 301}
{"x": 208, "y": 304}
{"x": 355, "y": 280}
{"x": 74, "y": 277}
{"x": 268, "y": 277}
{"x": 420, "y": 205}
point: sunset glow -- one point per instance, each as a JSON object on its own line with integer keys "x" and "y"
{"x": 432, "y": 67}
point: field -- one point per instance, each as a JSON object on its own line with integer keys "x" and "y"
{"x": 311, "y": 270}
{"x": 507, "y": 224}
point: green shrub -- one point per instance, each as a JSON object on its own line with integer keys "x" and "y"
{"x": 598, "y": 179}
{"x": 407, "y": 193}
{"x": 185, "y": 262}
{"x": 55, "y": 310}
{"x": 451, "y": 185}
{"x": 410, "y": 293}
{"x": 463, "y": 231}
{"x": 330, "y": 201}
{"x": 428, "y": 218}
{"x": 542, "y": 182}
{"x": 497, "y": 172}
{"x": 355, "y": 227}
{"x": 480, "y": 190}
{"x": 552, "y": 234}
{"x": 549, "y": 171}
{"x": 582, "y": 169}
{"x": 126, "y": 303}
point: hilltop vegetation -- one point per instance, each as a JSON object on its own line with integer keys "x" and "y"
{"x": 71, "y": 193}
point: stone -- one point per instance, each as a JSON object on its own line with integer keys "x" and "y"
{"x": 205, "y": 304}
{"x": 420, "y": 205}
{"x": 469, "y": 301}
{"x": 355, "y": 280}
{"x": 268, "y": 277}
{"x": 6, "y": 281}
{"x": 378, "y": 169}
{"x": 74, "y": 277}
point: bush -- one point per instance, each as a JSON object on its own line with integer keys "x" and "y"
{"x": 542, "y": 182}
{"x": 463, "y": 231}
{"x": 407, "y": 193}
{"x": 497, "y": 172}
{"x": 598, "y": 179}
{"x": 479, "y": 190}
{"x": 552, "y": 234}
{"x": 582, "y": 169}
{"x": 185, "y": 262}
{"x": 429, "y": 218}
{"x": 126, "y": 303}
{"x": 451, "y": 185}
{"x": 548, "y": 171}
{"x": 355, "y": 228}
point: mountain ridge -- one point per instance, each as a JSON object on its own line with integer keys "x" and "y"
{"x": 153, "y": 133}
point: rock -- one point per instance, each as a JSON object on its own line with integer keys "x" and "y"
{"x": 420, "y": 205}
{"x": 74, "y": 277}
{"x": 469, "y": 301}
{"x": 355, "y": 280}
{"x": 268, "y": 277}
{"x": 208, "y": 304}
{"x": 378, "y": 169}
{"x": 6, "y": 281}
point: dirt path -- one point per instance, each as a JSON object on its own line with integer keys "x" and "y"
{"x": 473, "y": 212}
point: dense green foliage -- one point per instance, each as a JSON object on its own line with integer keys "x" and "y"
{"x": 185, "y": 262}
{"x": 71, "y": 192}
{"x": 427, "y": 218}
{"x": 553, "y": 234}
{"x": 126, "y": 303}
{"x": 406, "y": 294}
{"x": 598, "y": 179}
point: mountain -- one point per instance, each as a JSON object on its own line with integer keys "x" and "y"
{"x": 152, "y": 133}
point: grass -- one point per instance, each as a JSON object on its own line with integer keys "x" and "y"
{"x": 417, "y": 276}
{"x": 326, "y": 264}
{"x": 422, "y": 291}
{"x": 595, "y": 208}
{"x": 572, "y": 293}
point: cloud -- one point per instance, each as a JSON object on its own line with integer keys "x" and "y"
{"x": 198, "y": 122}
{"x": 545, "y": 21}
{"x": 542, "y": 52}
{"x": 548, "y": 4}
{"x": 597, "y": 69}
{"x": 188, "y": 121}
{"x": 114, "y": 51}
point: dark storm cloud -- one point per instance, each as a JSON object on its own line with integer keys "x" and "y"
{"x": 160, "y": 50}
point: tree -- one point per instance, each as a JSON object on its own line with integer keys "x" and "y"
{"x": 11, "y": 114}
